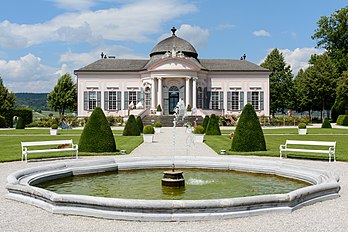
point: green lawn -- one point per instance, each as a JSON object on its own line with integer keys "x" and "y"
{"x": 10, "y": 142}
{"x": 276, "y": 137}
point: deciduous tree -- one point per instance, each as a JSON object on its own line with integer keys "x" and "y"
{"x": 332, "y": 34}
{"x": 281, "y": 82}
{"x": 64, "y": 95}
{"x": 7, "y": 99}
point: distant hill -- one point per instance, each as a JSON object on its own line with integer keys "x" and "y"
{"x": 35, "y": 101}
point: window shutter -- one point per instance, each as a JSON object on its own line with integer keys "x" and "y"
{"x": 125, "y": 107}
{"x": 141, "y": 99}
{"x": 85, "y": 100}
{"x": 262, "y": 107}
{"x": 208, "y": 100}
{"x": 221, "y": 100}
{"x": 138, "y": 98}
{"x": 98, "y": 99}
{"x": 118, "y": 104}
{"x": 166, "y": 100}
{"x": 241, "y": 101}
{"x": 106, "y": 100}
{"x": 229, "y": 100}
{"x": 249, "y": 98}
{"x": 205, "y": 97}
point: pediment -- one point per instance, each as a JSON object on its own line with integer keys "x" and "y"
{"x": 173, "y": 64}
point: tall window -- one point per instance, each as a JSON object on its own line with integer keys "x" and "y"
{"x": 112, "y": 100}
{"x": 92, "y": 100}
{"x": 199, "y": 98}
{"x": 235, "y": 101}
{"x": 215, "y": 100}
{"x": 147, "y": 97}
{"x": 255, "y": 99}
{"x": 132, "y": 97}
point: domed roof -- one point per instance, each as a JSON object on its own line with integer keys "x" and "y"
{"x": 178, "y": 43}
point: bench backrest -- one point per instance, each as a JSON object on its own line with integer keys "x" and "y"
{"x": 42, "y": 143}
{"x": 315, "y": 143}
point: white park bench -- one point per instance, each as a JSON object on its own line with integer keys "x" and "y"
{"x": 60, "y": 146}
{"x": 330, "y": 147}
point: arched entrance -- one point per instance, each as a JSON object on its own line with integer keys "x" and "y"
{"x": 173, "y": 98}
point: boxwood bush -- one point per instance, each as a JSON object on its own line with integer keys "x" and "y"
{"x": 97, "y": 135}
{"x": 248, "y": 135}
{"x": 148, "y": 130}
{"x": 2, "y": 122}
{"x": 302, "y": 125}
{"x": 342, "y": 120}
{"x": 213, "y": 127}
{"x": 205, "y": 122}
{"x": 140, "y": 124}
{"x": 326, "y": 123}
{"x": 131, "y": 128}
{"x": 198, "y": 130}
{"x": 20, "y": 123}
{"x": 158, "y": 124}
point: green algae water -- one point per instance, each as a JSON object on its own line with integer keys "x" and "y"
{"x": 199, "y": 185}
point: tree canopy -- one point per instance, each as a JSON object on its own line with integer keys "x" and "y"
{"x": 332, "y": 34}
{"x": 64, "y": 95}
{"x": 7, "y": 99}
{"x": 281, "y": 82}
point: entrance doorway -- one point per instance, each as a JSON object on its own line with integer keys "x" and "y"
{"x": 173, "y": 98}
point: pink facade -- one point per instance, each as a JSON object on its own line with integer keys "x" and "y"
{"x": 173, "y": 72}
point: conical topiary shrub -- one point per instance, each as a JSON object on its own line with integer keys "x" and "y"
{"x": 97, "y": 135}
{"x": 248, "y": 135}
{"x": 2, "y": 122}
{"x": 326, "y": 123}
{"x": 131, "y": 128}
{"x": 205, "y": 122}
{"x": 213, "y": 127}
{"x": 20, "y": 123}
{"x": 140, "y": 123}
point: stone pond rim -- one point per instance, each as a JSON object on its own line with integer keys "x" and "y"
{"x": 324, "y": 187}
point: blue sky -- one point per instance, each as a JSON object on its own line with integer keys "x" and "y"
{"x": 43, "y": 39}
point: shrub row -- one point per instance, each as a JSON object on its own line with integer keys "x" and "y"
{"x": 342, "y": 120}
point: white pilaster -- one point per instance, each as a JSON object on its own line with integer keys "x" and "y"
{"x": 153, "y": 94}
{"x": 194, "y": 92}
{"x": 159, "y": 89}
{"x": 187, "y": 95}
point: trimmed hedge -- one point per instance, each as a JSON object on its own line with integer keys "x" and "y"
{"x": 140, "y": 124}
{"x": 26, "y": 114}
{"x": 97, "y": 135}
{"x": 326, "y": 123}
{"x": 213, "y": 127}
{"x": 20, "y": 123}
{"x": 248, "y": 135}
{"x": 205, "y": 122}
{"x": 131, "y": 128}
{"x": 2, "y": 122}
{"x": 342, "y": 120}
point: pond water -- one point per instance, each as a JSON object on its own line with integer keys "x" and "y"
{"x": 199, "y": 185}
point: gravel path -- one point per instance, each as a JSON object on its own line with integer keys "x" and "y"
{"x": 330, "y": 215}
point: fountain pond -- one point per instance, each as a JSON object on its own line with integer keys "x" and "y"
{"x": 210, "y": 190}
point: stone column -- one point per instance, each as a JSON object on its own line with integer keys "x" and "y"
{"x": 159, "y": 89}
{"x": 194, "y": 92}
{"x": 153, "y": 94}
{"x": 187, "y": 95}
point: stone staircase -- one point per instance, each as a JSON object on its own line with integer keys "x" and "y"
{"x": 167, "y": 120}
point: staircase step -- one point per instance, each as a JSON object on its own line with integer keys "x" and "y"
{"x": 167, "y": 120}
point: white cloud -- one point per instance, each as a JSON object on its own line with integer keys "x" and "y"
{"x": 195, "y": 35}
{"x": 28, "y": 74}
{"x": 261, "y": 33}
{"x": 78, "y": 60}
{"x": 297, "y": 58}
{"x": 74, "y": 4}
{"x": 126, "y": 23}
